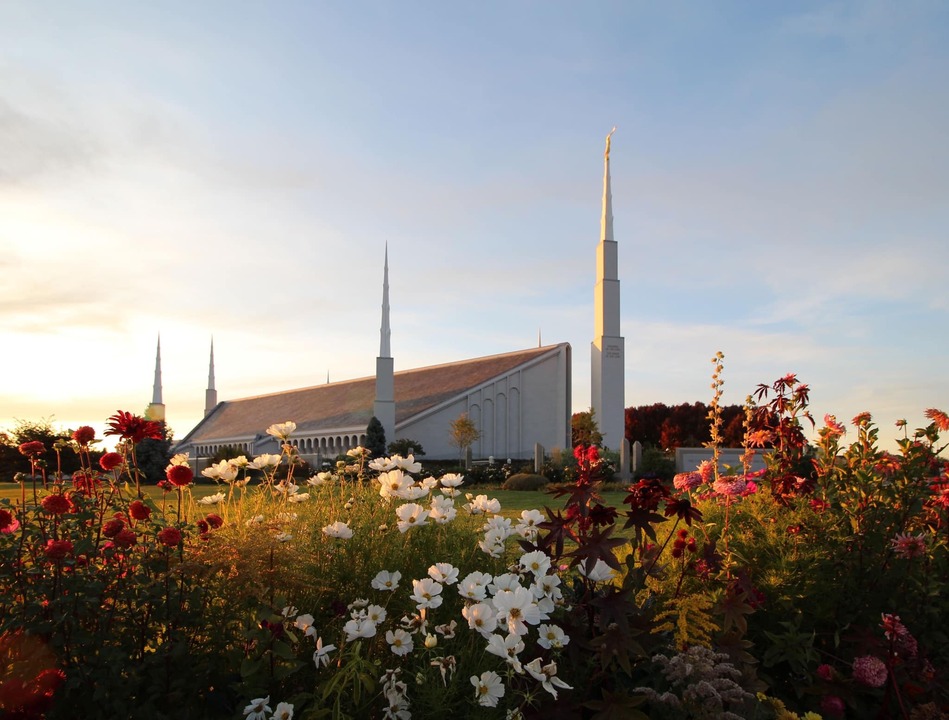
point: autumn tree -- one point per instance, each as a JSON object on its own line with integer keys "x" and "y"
{"x": 463, "y": 433}
{"x": 584, "y": 429}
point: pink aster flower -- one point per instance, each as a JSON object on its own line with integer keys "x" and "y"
{"x": 908, "y": 546}
{"x": 684, "y": 482}
{"x": 730, "y": 486}
{"x": 870, "y": 671}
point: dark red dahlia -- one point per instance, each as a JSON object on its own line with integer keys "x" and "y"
{"x": 215, "y": 521}
{"x": 110, "y": 461}
{"x": 84, "y": 435}
{"x": 58, "y": 549}
{"x": 56, "y": 504}
{"x": 133, "y": 427}
{"x": 170, "y": 536}
{"x": 32, "y": 448}
{"x": 180, "y": 475}
{"x": 139, "y": 510}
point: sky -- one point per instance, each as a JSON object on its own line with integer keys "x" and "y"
{"x": 780, "y": 177}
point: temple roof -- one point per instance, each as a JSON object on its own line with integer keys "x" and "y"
{"x": 348, "y": 405}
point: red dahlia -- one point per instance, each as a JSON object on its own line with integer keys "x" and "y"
{"x": 56, "y": 504}
{"x": 6, "y": 519}
{"x": 110, "y": 461}
{"x": 58, "y": 549}
{"x": 132, "y": 427}
{"x": 180, "y": 475}
{"x": 84, "y": 435}
{"x": 170, "y": 536}
{"x": 139, "y": 510}
{"x": 34, "y": 447}
{"x": 113, "y": 528}
{"x": 125, "y": 539}
{"x": 215, "y": 521}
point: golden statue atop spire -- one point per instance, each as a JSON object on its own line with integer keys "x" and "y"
{"x": 607, "y": 153}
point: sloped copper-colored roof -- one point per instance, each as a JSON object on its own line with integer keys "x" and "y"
{"x": 349, "y": 404}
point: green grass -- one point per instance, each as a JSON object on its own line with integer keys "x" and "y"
{"x": 512, "y": 501}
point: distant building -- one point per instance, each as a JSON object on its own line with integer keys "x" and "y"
{"x": 515, "y": 399}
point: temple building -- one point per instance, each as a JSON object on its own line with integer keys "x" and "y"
{"x": 516, "y": 400}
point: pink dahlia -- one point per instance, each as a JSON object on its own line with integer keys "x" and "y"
{"x": 870, "y": 671}
{"x": 684, "y": 482}
{"x": 730, "y": 486}
{"x": 908, "y": 546}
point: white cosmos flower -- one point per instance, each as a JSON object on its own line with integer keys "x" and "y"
{"x": 400, "y": 642}
{"x": 358, "y": 452}
{"x": 480, "y": 617}
{"x": 451, "y": 480}
{"x": 394, "y": 483}
{"x": 283, "y": 537}
{"x": 551, "y": 636}
{"x": 376, "y": 613}
{"x": 408, "y": 464}
{"x": 338, "y": 529}
{"x": 258, "y": 709}
{"x": 305, "y": 623}
{"x": 283, "y": 430}
{"x": 517, "y": 608}
{"x": 283, "y": 711}
{"x": 429, "y": 483}
{"x": 507, "y": 581}
{"x": 212, "y": 499}
{"x": 445, "y": 573}
{"x": 507, "y": 648}
{"x": 256, "y": 520}
{"x": 601, "y": 572}
{"x": 381, "y": 465}
{"x": 481, "y": 505}
{"x": 385, "y": 580}
{"x": 499, "y": 525}
{"x": 225, "y": 471}
{"x": 527, "y": 526}
{"x": 493, "y": 544}
{"x": 262, "y": 462}
{"x": 286, "y": 488}
{"x": 179, "y": 459}
{"x": 474, "y": 586}
{"x": 298, "y": 497}
{"x": 488, "y": 688}
{"x": 410, "y": 515}
{"x": 321, "y": 656}
{"x": 547, "y": 586}
{"x": 536, "y": 562}
{"x": 356, "y": 629}
{"x": 443, "y": 510}
{"x": 546, "y": 675}
{"x": 426, "y": 593}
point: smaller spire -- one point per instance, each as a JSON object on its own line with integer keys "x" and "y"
{"x": 327, "y": 377}
{"x": 211, "y": 367}
{"x": 156, "y": 388}
{"x": 606, "y": 223}
{"x": 539, "y": 343}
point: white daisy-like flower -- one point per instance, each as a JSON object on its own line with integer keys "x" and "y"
{"x": 407, "y": 464}
{"x": 283, "y": 537}
{"x": 356, "y": 629}
{"x": 305, "y": 623}
{"x": 400, "y": 642}
{"x": 551, "y": 636}
{"x": 283, "y": 711}
{"x": 516, "y": 608}
{"x": 263, "y": 462}
{"x": 410, "y": 515}
{"x": 212, "y": 499}
{"x": 527, "y": 526}
{"x": 536, "y": 562}
{"x": 601, "y": 572}
{"x": 508, "y": 648}
{"x": 338, "y": 529}
{"x": 258, "y": 709}
{"x": 298, "y": 497}
{"x": 488, "y": 688}
{"x": 445, "y": 573}
{"x": 385, "y": 580}
{"x": 426, "y": 593}
{"x": 376, "y": 613}
{"x": 481, "y": 617}
{"x": 443, "y": 510}
{"x": 547, "y": 676}
{"x": 321, "y": 656}
{"x": 282, "y": 431}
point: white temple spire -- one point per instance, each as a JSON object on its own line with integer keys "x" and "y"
{"x": 385, "y": 332}
{"x": 156, "y": 409}
{"x": 608, "y": 347}
{"x": 384, "y": 406}
{"x": 210, "y": 395}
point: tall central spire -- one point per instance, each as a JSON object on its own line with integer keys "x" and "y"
{"x": 384, "y": 406}
{"x": 385, "y": 332}
{"x": 210, "y": 395}
{"x": 156, "y": 409}
{"x": 608, "y": 347}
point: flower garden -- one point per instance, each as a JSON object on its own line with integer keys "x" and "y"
{"x": 815, "y": 588}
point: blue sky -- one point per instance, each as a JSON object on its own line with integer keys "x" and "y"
{"x": 235, "y": 169}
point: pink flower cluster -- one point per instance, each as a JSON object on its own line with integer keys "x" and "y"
{"x": 870, "y": 671}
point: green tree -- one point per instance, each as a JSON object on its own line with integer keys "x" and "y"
{"x": 12, "y": 462}
{"x": 375, "y": 437}
{"x": 463, "y": 433}
{"x": 584, "y": 429}
{"x": 153, "y": 455}
{"x": 406, "y": 447}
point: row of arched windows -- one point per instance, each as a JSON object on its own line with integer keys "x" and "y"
{"x": 328, "y": 445}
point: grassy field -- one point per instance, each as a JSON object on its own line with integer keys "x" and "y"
{"x": 512, "y": 501}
